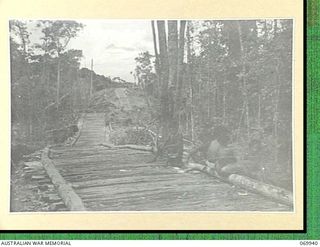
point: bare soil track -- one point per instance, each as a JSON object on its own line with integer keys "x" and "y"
{"x": 122, "y": 180}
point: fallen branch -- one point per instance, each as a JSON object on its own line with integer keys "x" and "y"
{"x": 156, "y": 135}
{"x": 55, "y": 103}
{"x": 134, "y": 147}
{"x": 128, "y": 146}
{"x": 273, "y": 192}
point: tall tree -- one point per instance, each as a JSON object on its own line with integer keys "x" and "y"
{"x": 171, "y": 73}
{"x": 156, "y": 87}
{"x": 173, "y": 52}
{"x": 179, "y": 105}
{"x": 164, "y": 75}
{"x": 190, "y": 80}
{"x": 57, "y": 35}
{"x": 143, "y": 72}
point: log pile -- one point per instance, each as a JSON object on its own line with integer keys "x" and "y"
{"x": 42, "y": 185}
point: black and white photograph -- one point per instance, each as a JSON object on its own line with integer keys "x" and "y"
{"x": 127, "y": 115}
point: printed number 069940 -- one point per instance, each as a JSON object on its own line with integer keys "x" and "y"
{"x": 306, "y": 243}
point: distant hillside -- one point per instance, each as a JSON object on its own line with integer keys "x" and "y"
{"x": 101, "y": 82}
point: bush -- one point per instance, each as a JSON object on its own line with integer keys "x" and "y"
{"x": 118, "y": 137}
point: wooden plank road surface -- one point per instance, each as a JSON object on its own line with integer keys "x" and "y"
{"x": 93, "y": 130}
{"x": 122, "y": 180}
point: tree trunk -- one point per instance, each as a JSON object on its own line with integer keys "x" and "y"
{"x": 237, "y": 51}
{"x": 208, "y": 91}
{"x": 157, "y": 88}
{"x": 276, "y": 110}
{"x": 173, "y": 68}
{"x": 259, "y": 105}
{"x": 58, "y": 82}
{"x": 91, "y": 80}
{"x": 173, "y": 52}
{"x": 265, "y": 29}
{"x": 164, "y": 75}
{"x": 244, "y": 79}
{"x": 224, "y": 104}
{"x": 275, "y": 29}
{"x": 234, "y": 42}
{"x": 190, "y": 72}
{"x": 180, "y": 70}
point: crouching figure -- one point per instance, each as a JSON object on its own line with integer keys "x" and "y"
{"x": 216, "y": 154}
{"x": 220, "y": 157}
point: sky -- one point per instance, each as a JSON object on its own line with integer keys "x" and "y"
{"x": 112, "y": 44}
